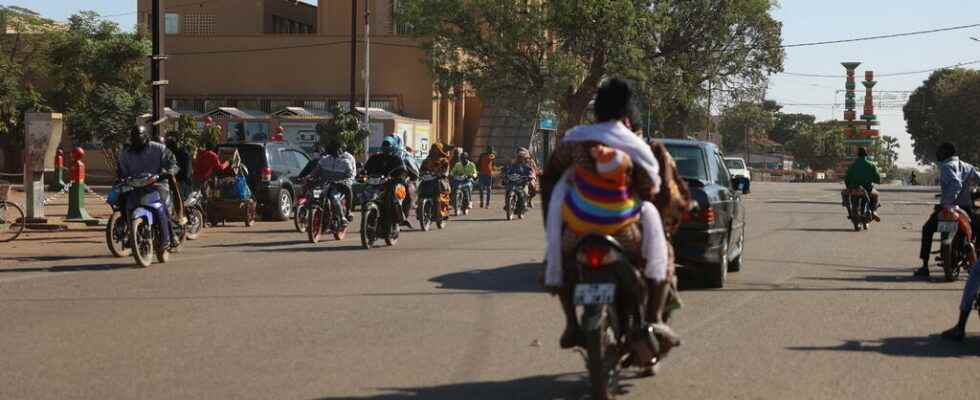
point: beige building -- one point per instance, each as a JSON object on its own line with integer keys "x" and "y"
{"x": 267, "y": 55}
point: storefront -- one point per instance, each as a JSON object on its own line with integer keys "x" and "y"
{"x": 415, "y": 133}
{"x": 242, "y": 125}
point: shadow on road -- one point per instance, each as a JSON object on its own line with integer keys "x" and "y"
{"x": 275, "y": 243}
{"x": 906, "y": 278}
{"x": 817, "y": 230}
{"x": 930, "y": 346}
{"x": 69, "y": 268}
{"x": 519, "y": 278}
{"x": 812, "y": 202}
{"x": 568, "y": 386}
{"x": 312, "y": 248}
{"x": 48, "y": 258}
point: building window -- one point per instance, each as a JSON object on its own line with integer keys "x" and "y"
{"x": 394, "y": 27}
{"x": 171, "y": 23}
{"x": 199, "y": 24}
{"x": 315, "y": 105}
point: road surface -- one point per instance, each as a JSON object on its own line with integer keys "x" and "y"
{"x": 818, "y": 311}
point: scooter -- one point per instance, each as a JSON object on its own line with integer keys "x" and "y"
{"x": 142, "y": 207}
{"x": 194, "y": 207}
{"x": 859, "y": 208}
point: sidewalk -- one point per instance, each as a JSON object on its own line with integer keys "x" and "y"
{"x": 56, "y": 208}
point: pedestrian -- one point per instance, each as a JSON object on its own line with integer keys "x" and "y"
{"x": 486, "y": 176}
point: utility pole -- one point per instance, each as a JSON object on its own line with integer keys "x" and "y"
{"x": 367, "y": 75}
{"x": 353, "y": 53}
{"x": 157, "y": 80}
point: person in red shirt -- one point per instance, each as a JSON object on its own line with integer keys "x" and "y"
{"x": 486, "y": 176}
{"x": 207, "y": 163}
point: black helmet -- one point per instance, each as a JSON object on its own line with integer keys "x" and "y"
{"x": 139, "y": 137}
{"x": 945, "y": 150}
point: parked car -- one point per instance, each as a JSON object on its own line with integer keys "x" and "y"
{"x": 736, "y": 167}
{"x": 711, "y": 239}
{"x": 271, "y": 167}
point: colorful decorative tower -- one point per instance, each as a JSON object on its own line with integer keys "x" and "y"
{"x": 869, "y": 117}
{"x": 858, "y": 133}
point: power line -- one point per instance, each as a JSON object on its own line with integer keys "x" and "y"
{"x": 884, "y": 75}
{"x": 894, "y": 35}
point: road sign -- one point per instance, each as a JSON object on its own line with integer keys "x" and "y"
{"x": 548, "y": 121}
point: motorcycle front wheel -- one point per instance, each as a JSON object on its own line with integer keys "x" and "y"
{"x": 195, "y": 223}
{"x": 301, "y": 218}
{"x": 116, "y": 235}
{"x": 946, "y": 255}
{"x": 369, "y": 224}
{"x": 314, "y": 226}
{"x": 424, "y": 213}
{"x": 141, "y": 237}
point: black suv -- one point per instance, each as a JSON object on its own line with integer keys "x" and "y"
{"x": 271, "y": 166}
{"x": 712, "y": 237}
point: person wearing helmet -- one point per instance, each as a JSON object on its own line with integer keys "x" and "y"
{"x": 143, "y": 157}
{"x": 390, "y": 163}
{"x": 337, "y": 166}
{"x": 464, "y": 167}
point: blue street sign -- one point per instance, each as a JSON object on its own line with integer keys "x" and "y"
{"x": 547, "y": 121}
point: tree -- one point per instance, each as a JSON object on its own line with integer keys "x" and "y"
{"x": 885, "y": 153}
{"x": 788, "y": 126}
{"x": 820, "y": 147}
{"x": 946, "y": 108}
{"x": 99, "y": 79}
{"x": 345, "y": 127}
{"x": 20, "y": 70}
{"x": 740, "y": 119}
{"x": 523, "y": 54}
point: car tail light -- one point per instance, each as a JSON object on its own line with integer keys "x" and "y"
{"x": 596, "y": 257}
{"x": 707, "y": 216}
{"x": 266, "y": 174}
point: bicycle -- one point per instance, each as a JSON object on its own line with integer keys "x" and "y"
{"x": 11, "y": 216}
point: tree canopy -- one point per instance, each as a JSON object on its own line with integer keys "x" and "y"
{"x": 523, "y": 54}
{"x": 946, "y": 108}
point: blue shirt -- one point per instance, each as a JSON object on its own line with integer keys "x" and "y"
{"x": 956, "y": 179}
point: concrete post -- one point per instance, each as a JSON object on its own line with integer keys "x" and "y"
{"x": 76, "y": 194}
{"x": 40, "y": 142}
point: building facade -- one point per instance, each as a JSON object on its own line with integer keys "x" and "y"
{"x": 267, "y": 55}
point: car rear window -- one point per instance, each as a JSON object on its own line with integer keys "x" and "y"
{"x": 734, "y": 164}
{"x": 253, "y": 157}
{"x": 690, "y": 161}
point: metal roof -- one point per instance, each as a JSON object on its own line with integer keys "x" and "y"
{"x": 238, "y": 113}
{"x": 300, "y": 112}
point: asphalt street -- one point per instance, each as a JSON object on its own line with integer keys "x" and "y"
{"x": 818, "y": 312}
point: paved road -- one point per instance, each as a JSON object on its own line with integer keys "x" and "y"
{"x": 818, "y": 312}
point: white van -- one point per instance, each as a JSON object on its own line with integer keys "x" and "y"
{"x": 736, "y": 166}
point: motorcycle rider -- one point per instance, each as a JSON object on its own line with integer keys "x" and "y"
{"x": 518, "y": 167}
{"x": 465, "y": 168}
{"x": 388, "y": 161}
{"x": 339, "y": 167}
{"x": 643, "y": 240}
{"x": 145, "y": 157}
{"x": 863, "y": 173}
{"x": 411, "y": 183}
{"x": 956, "y": 178}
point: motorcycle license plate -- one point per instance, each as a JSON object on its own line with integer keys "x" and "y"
{"x": 947, "y": 226}
{"x": 317, "y": 193}
{"x": 375, "y": 181}
{"x": 587, "y": 294}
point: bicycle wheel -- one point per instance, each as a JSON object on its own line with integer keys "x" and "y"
{"x": 11, "y": 221}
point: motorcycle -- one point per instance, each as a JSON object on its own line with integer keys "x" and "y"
{"x": 428, "y": 210}
{"x": 956, "y": 250}
{"x": 381, "y": 210}
{"x": 859, "y": 208}
{"x": 327, "y": 211}
{"x": 611, "y": 294}
{"x": 194, "y": 207}
{"x": 461, "y": 194}
{"x": 140, "y": 207}
{"x": 516, "y": 198}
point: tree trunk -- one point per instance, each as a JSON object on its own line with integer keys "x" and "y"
{"x": 576, "y": 102}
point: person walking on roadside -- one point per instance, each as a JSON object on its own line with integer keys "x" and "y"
{"x": 486, "y": 176}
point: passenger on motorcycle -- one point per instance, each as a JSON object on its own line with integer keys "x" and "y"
{"x": 863, "y": 174}
{"x": 339, "y": 167}
{"x": 956, "y": 179}
{"x": 437, "y": 164}
{"x": 590, "y": 155}
{"x": 143, "y": 157}
{"x": 533, "y": 186}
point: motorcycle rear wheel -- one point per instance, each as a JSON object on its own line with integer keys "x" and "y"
{"x": 946, "y": 255}
{"x": 116, "y": 229}
{"x": 511, "y": 205}
{"x": 602, "y": 358}
{"x": 141, "y": 238}
{"x": 424, "y": 213}
{"x": 314, "y": 224}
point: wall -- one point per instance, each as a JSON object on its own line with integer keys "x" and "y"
{"x": 232, "y": 17}
{"x": 335, "y": 17}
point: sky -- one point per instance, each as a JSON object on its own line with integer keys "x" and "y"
{"x": 803, "y": 21}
